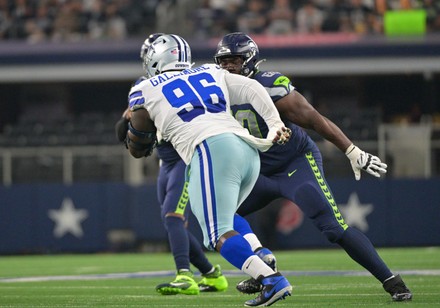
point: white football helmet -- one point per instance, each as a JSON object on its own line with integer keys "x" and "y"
{"x": 168, "y": 52}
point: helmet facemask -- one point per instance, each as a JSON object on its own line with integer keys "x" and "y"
{"x": 233, "y": 64}
{"x": 147, "y": 63}
{"x": 250, "y": 60}
{"x": 144, "y": 49}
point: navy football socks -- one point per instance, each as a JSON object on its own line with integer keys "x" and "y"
{"x": 360, "y": 249}
{"x": 197, "y": 256}
{"x": 179, "y": 242}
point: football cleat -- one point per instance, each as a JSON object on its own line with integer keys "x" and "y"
{"x": 183, "y": 284}
{"x": 397, "y": 289}
{"x": 275, "y": 287}
{"x": 251, "y": 285}
{"x": 213, "y": 282}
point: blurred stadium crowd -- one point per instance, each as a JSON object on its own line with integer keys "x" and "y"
{"x": 82, "y": 20}
{"x": 51, "y": 114}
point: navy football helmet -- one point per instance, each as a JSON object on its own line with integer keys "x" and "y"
{"x": 239, "y": 44}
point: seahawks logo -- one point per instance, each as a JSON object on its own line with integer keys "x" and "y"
{"x": 223, "y": 50}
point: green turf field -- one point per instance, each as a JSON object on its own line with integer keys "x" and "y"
{"x": 321, "y": 278}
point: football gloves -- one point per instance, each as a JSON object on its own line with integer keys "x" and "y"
{"x": 283, "y": 136}
{"x": 361, "y": 160}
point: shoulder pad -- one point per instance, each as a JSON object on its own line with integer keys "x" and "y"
{"x": 267, "y": 78}
{"x": 272, "y": 79}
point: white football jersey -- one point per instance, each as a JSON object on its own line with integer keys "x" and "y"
{"x": 190, "y": 106}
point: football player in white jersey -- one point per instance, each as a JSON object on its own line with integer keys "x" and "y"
{"x": 190, "y": 107}
{"x": 172, "y": 195}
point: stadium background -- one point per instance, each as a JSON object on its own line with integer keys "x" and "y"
{"x": 66, "y": 68}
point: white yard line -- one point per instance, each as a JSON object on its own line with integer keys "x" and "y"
{"x": 427, "y": 272}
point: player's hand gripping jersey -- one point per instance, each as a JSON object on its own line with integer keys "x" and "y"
{"x": 275, "y": 158}
{"x": 201, "y": 95}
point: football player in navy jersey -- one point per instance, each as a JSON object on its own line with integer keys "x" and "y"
{"x": 173, "y": 197}
{"x": 307, "y": 187}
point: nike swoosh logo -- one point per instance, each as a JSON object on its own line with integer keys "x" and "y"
{"x": 179, "y": 284}
{"x": 291, "y": 173}
{"x": 249, "y": 264}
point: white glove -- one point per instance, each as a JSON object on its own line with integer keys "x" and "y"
{"x": 362, "y": 160}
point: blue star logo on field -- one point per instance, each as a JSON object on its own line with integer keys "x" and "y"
{"x": 355, "y": 213}
{"x": 68, "y": 219}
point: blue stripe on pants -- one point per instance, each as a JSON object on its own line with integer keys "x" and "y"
{"x": 208, "y": 192}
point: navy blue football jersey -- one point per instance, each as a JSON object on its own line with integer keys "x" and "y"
{"x": 278, "y": 156}
{"x": 167, "y": 153}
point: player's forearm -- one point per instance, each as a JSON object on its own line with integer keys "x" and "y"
{"x": 141, "y": 136}
{"x": 331, "y": 132}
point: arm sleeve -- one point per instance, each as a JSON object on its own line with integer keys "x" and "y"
{"x": 121, "y": 128}
{"x": 243, "y": 90}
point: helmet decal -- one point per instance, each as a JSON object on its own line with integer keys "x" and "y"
{"x": 182, "y": 47}
{"x": 147, "y": 43}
